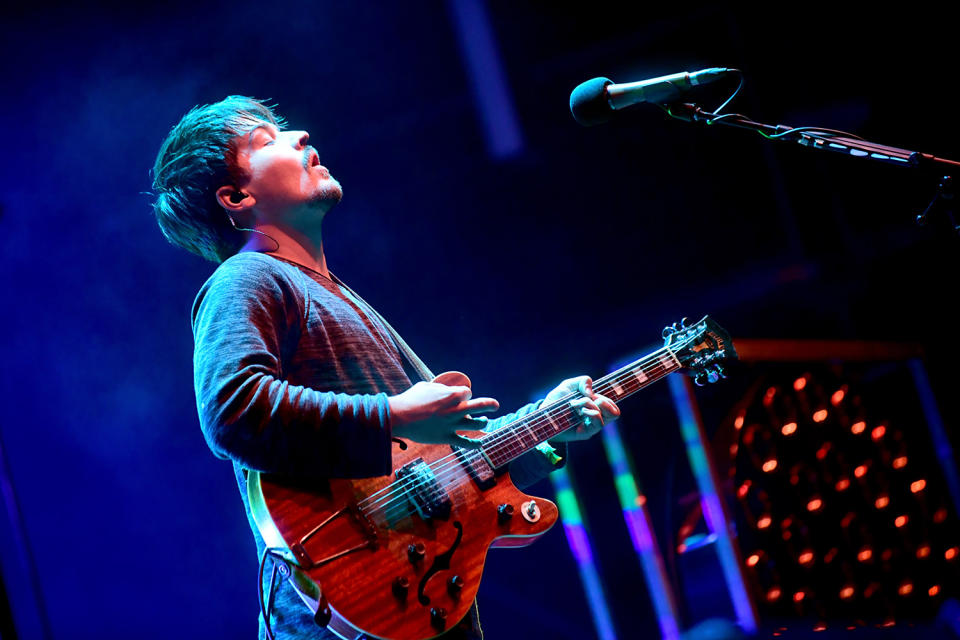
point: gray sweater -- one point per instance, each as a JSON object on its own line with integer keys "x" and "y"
{"x": 292, "y": 372}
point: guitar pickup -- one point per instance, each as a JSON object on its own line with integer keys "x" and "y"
{"x": 477, "y": 467}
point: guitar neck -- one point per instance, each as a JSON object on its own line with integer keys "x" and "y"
{"x": 521, "y": 435}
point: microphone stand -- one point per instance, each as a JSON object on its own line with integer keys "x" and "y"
{"x": 840, "y": 142}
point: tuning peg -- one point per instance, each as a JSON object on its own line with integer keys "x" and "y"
{"x": 700, "y": 379}
{"x": 720, "y": 371}
{"x": 712, "y": 376}
{"x": 667, "y": 332}
{"x": 683, "y": 322}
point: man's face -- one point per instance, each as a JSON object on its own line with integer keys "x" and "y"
{"x": 287, "y": 181}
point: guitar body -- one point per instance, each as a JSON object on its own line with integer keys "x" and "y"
{"x": 363, "y": 587}
{"x": 400, "y": 557}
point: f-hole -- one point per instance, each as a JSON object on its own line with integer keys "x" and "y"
{"x": 440, "y": 563}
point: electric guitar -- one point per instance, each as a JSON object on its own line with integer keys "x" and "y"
{"x": 400, "y": 557}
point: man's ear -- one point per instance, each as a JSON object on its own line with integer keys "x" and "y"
{"x": 234, "y": 200}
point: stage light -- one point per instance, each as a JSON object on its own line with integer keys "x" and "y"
{"x": 814, "y": 504}
{"x": 905, "y": 589}
{"x": 806, "y": 557}
{"x": 800, "y": 383}
{"x": 743, "y": 489}
{"x": 900, "y": 521}
{"x": 753, "y": 560}
{"x": 738, "y": 422}
{"x": 733, "y": 450}
{"x": 900, "y": 462}
{"x": 768, "y": 396}
{"x": 773, "y": 594}
{"x": 763, "y": 522}
{"x": 865, "y": 554}
{"x": 842, "y": 484}
{"x": 789, "y": 428}
{"x": 847, "y": 519}
{"x": 821, "y": 626}
{"x": 950, "y": 553}
{"x": 886, "y": 555}
{"x": 799, "y": 596}
{"x": 878, "y": 432}
{"x": 770, "y": 465}
{"x": 827, "y": 559}
{"x": 846, "y": 593}
{"x": 881, "y": 502}
{"x": 934, "y": 590}
{"x": 923, "y": 551}
{"x": 820, "y": 416}
{"x": 858, "y": 427}
{"x": 823, "y": 450}
{"x": 918, "y": 485}
{"x": 860, "y": 471}
{"x": 837, "y": 397}
{"x": 940, "y": 515}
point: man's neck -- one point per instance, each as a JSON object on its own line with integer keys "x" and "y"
{"x": 291, "y": 245}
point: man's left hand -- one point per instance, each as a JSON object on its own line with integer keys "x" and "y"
{"x": 593, "y": 409}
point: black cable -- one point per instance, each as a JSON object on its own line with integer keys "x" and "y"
{"x": 266, "y": 606}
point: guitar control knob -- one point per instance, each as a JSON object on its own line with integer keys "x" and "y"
{"x": 504, "y": 513}
{"x": 416, "y": 552}
{"x": 438, "y": 617}
{"x": 401, "y": 586}
{"x": 455, "y": 586}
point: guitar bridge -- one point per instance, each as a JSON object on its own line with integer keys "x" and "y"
{"x": 354, "y": 515}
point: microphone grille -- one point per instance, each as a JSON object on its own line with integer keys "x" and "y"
{"x": 588, "y": 102}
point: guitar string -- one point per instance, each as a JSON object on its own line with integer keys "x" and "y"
{"x": 449, "y": 471}
{"x": 499, "y": 437}
{"x": 507, "y": 433}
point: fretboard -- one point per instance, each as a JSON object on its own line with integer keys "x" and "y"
{"x": 518, "y": 437}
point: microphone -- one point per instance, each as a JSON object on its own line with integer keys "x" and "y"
{"x": 594, "y": 101}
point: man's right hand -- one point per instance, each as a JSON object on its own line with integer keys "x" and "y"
{"x": 432, "y": 413}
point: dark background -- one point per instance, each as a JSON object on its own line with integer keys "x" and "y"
{"x": 560, "y": 258}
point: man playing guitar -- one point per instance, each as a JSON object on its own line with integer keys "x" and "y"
{"x": 295, "y": 375}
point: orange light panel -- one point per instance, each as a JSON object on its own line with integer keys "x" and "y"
{"x": 789, "y": 428}
{"x": 858, "y": 427}
{"x": 837, "y": 397}
{"x": 753, "y": 560}
{"x": 846, "y": 592}
{"x": 934, "y": 590}
{"x": 878, "y": 432}
{"x": 820, "y": 415}
{"x": 799, "y": 384}
{"x": 865, "y": 554}
{"x": 918, "y": 485}
{"x": 881, "y": 502}
{"x": 798, "y": 596}
{"x": 842, "y": 484}
{"x": 806, "y": 557}
{"x": 900, "y": 521}
{"x": 950, "y": 553}
{"x": 906, "y": 588}
{"x": 770, "y": 465}
{"x": 900, "y": 463}
{"x": 860, "y": 471}
{"x": 814, "y": 504}
{"x": 763, "y": 522}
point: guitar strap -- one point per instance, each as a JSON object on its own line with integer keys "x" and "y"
{"x": 412, "y": 359}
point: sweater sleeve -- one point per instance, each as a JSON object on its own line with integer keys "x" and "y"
{"x": 534, "y": 465}
{"x": 246, "y": 316}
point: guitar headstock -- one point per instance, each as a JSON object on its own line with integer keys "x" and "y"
{"x": 701, "y": 347}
